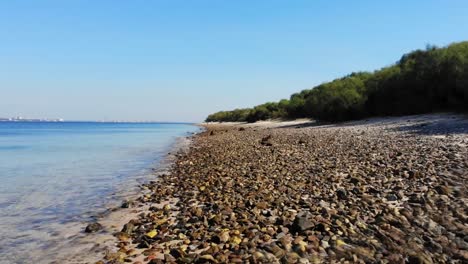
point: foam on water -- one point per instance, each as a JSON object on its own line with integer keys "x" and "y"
{"x": 55, "y": 174}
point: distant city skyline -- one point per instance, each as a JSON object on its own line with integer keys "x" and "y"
{"x": 182, "y": 60}
{"x": 47, "y": 119}
{"x": 21, "y": 118}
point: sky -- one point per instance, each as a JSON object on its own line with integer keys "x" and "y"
{"x": 177, "y": 60}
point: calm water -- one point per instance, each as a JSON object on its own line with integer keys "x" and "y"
{"x": 56, "y": 173}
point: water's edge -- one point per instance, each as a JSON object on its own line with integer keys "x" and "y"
{"x": 73, "y": 245}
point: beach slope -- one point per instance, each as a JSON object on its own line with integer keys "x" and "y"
{"x": 391, "y": 189}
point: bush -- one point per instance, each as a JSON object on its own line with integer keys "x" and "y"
{"x": 341, "y": 99}
{"x": 422, "y": 81}
{"x": 237, "y": 115}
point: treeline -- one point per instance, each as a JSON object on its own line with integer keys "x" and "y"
{"x": 422, "y": 81}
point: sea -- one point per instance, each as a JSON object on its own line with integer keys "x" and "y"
{"x": 53, "y": 174}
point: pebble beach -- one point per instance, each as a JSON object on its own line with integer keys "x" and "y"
{"x": 389, "y": 190}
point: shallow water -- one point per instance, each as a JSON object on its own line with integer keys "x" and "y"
{"x": 52, "y": 174}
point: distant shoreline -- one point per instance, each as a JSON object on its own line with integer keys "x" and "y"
{"x": 108, "y": 122}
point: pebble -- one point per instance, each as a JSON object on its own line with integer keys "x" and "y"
{"x": 361, "y": 194}
{"x": 93, "y": 227}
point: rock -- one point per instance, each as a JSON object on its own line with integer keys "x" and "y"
{"x": 302, "y": 222}
{"x": 341, "y": 194}
{"x": 208, "y": 258}
{"x": 442, "y": 189}
{"x": 420, "y": 259}
{"x": 128, "y": 228}
{"x": 321, "y": 227}
{"x": 224, "y": 236}
{"x": 167, "y": 207}
{"x": 277, "y": 251}
{"x": 127, "y": 204}
{"x": 324, "y": 244}
{"x": 414, "y": 174}
{"x": 121, "y": 236}
{"x": 176, "y": 253}
{"x": 391, "y": 197}
{"x": 266, "y": 141}
{"x": 258, "y": 255}
{"x": 152, "y": 233}
{"x": 93, "y": 227}
{"x": 235, "y": 240}
{"x": 340, "y": 243}
{"x": 291, "y": 257}
{"x": 354, "y": 180}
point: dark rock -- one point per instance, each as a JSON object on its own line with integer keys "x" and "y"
{"x": 341, "y": 194}
{"x": 302, "y": 222}
{"x": 266, "y": 141}
{"x": 391, "y": 197}
{"x": 414, "y": 174}
{"x": 93, "y": 227}
{"x": 320, "y": 227}
{"x": 126, "y": 204}
{"x": 354, "y": 180}
{"x": 176, "y": 253}
{"x": 441, "y": 189}
{"x": 216, "y": 239}
{"x": 414, "y": 198}
{"x": 143, "y": 244}
{"x": 372, "y": 190}
{"x": 128, "y": 228}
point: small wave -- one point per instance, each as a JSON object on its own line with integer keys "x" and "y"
{"x": 13, "y": 147}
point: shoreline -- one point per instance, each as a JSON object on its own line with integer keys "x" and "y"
{"x": 77, "y": 246}
{"x": 375, "y": 190}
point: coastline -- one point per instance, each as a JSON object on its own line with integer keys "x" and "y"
{"x": 77, "y": 246}
{"x": 388, "y": 189}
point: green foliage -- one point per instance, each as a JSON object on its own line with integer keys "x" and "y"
{"x": 237, "y": 115}
{"x": 341, "y": 99}
{"x": 296, "y": 106}
{"x": 421, "y": 81}
{"x": 267, "y": 111}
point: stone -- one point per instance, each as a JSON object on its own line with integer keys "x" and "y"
{"x": 128, "y": 228}
{"x": 302, "y": 222}
{"x": 127, "y": 204}
{"x": 341, "y": 194}
{"x": 93, "y": 227}
{"x": 391, "y": 197}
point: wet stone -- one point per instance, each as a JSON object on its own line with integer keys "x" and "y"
{"x": 93, "y": 227}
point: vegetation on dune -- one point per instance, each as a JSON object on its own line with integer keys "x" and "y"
{"x": 422, "y": 81}
{"x": 237, "y": 115}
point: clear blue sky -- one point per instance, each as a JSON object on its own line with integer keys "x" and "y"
{"x": 181, "y": 60}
